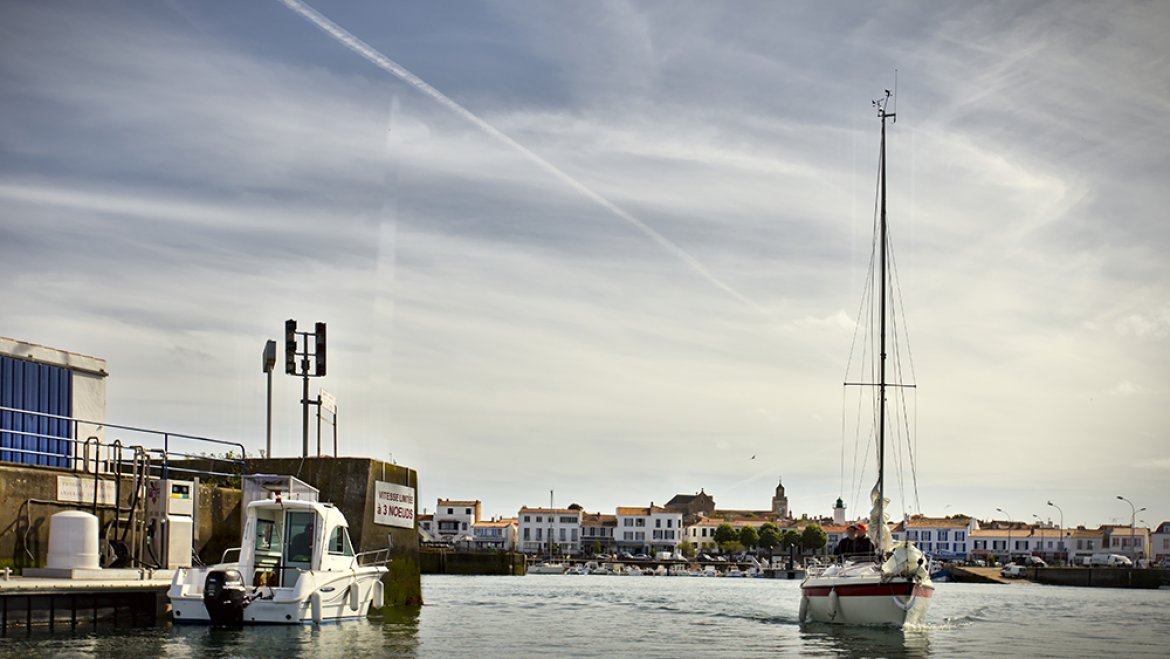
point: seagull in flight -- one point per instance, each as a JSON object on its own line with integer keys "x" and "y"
{"x": 753, "y": 457}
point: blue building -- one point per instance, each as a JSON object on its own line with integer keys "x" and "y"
{"x": 51, "y": 402}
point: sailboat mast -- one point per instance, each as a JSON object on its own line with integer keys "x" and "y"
{"x": 882, "y": 331}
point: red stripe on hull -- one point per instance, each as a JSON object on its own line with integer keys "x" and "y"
{"x": 870, "y": 590}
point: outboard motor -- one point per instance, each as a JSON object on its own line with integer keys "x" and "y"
{"x": 225, "y": 596}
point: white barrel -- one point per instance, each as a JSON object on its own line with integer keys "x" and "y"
{"x": 73, "y": 541}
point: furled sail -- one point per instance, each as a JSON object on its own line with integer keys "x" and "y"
{"x": 879, "y": 531}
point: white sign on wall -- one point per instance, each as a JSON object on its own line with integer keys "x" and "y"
{"x": 80, "y": 490}
{"x": 393, "y": 505}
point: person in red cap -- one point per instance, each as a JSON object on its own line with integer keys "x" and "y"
{"x": 845, "y": 545}
{"x": 862, "y": 545}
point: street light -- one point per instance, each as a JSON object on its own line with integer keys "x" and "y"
{"x": 1133, "y": 511}
{"x": 1009, "y": 540}
{"x": 1062, "y": 547}
{"x": 268, "y": 364}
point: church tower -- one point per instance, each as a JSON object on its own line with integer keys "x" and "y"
{"x": 780, "y": 502}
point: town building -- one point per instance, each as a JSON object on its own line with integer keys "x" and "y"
{"x": 941, "y": 537}
{"x": 1130, "y": 541}
{"x": 597, "y": 532}
{"x": 426, "y": 528}
{"x": 1083, "y": 543}
{"x": 64, "y": 395}
{"x": 550, "y": 530}
{"x": 495, "y": 534}
{"x": 701, "y": 533}
{"x": 1160, "y": 544}
{"x": 650, "y": 529}
{"x": 692, "y": 506}
{"x": 453, "y": 520}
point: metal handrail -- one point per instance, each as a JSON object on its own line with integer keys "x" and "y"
{"x": 224, "y": 557}
{"x": 164, "y": 452}
{"x": 373, "y": 558}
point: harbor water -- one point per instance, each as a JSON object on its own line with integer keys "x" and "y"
{"x": 596, "y": 616}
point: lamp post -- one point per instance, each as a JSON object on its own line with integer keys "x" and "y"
{"x": 1040, "y": 525}
{"x": 1133, "y": 511}
{"x": 1009, "y": 540}
{"x": 1062, "y": 547}
{"x": 268, "y": 365}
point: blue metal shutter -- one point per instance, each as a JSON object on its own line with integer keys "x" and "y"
{"x": 36, "y": 388}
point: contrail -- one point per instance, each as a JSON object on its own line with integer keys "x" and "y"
{"x": 393, "y": 68}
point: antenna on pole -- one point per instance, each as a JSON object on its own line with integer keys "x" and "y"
{"x": 895, "y": 114}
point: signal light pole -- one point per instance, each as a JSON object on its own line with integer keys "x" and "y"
{"x": 291, "y": 335}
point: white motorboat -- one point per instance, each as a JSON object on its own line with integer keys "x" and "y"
{"x": 895, "y": 587}
{"x": 547, "y": 568}
{"x": 296, "y": 565}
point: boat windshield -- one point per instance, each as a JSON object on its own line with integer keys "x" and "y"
{"x": 298, "y": 552}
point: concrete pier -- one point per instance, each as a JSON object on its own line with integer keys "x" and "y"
{"x": 28, "y": 603}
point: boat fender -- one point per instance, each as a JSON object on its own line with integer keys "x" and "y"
{"x": 833, "y": 604}
{"x": 803, "y": 609}
{"x": 379, "y": 598}
{"x": 353, "y": 596}
{"x": 315, "y": 606}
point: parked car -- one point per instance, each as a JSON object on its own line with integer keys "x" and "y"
{"x": 1034, "y": 561}
{"x": 641, "y": 557}
{"x": 1014, "y": 571}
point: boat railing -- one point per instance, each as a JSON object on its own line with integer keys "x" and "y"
{"x": 373, "y": 558}
{"x": 227, "y": 552}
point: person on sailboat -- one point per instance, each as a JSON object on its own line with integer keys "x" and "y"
{"x": 862, "y": 545}
{"x": 844, "y": 547}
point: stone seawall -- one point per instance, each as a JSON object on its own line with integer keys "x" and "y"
{"x": 465, "y": 562}
{"x": 1103, "y": 577}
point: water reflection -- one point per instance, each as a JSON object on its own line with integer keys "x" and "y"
{"x": 866, "y": 641}
{"x": 400, "y": 631}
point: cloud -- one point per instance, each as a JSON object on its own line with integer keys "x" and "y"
{"x": 174, "y": 185}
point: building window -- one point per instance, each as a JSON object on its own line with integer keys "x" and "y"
{"x": 574, "y": 535}
{"x": 658, "y": 523}
{"x": 527, "y": 518}
{"x": 538, "y": 534}
{"x": 669, "y": 523}
{"x": 526, "y": 530}
{"x": 450, "y": 511}
{"x": 468, "y": 511}
{"x": 562, "y": 534}
{"x": 641, "y": 521}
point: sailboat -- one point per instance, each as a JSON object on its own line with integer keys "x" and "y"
{"x": 894, "y": 587}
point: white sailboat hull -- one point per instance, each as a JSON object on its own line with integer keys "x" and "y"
{"x": 865, "y": 600}
{"x": 316, "y": 597}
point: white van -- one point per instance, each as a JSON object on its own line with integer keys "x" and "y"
{"x": 1108, "y": 560}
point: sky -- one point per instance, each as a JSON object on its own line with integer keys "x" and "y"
{"x": 612, "y": 249}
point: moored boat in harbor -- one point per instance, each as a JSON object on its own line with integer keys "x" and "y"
{"x": 295, "y": 565}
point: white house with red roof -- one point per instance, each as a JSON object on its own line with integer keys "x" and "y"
{"x": 544, "y": 529}
{"x": 940, "y": 537}
{"x": 649, "y": 529}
